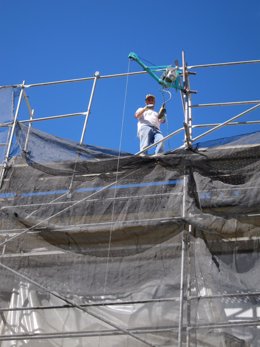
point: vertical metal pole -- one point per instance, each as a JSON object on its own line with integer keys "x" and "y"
{"x": 189, "y": 142}
{"x": 28, "y": 132}
{"x": 189, "y": 114}
{"x": 97, "y": 75}
{"x": 186, "y": 234}
{"x": 190, "y": 117}
{"x": 188, "y": 288}
{"x": 188, "y": 138}
{"x": 180, "y": 327}
{"x": 183, "y": 246}
{"x": 187, "y": 103}
{"x": 31, "y": 113}
{"x": 183, "y": 254}
{"x": 185, "y": 98}
{"x": 12, "y": 134}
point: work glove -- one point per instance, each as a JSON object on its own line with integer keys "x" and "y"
{"x": 162, "y": 113}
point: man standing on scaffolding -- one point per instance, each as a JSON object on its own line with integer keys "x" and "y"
{"x": 148, "y": 127}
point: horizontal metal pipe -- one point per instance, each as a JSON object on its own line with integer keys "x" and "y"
{"x": 220, "y": 296}
{"x": 227, "y": 103}
{"x": 125, "y": 74}
{"x": 53, "y": 117}
{"x": 227, "y": 122}
{"x": 62, "y": 202}
{"x": 245, "y": 323}
{"x": 6, "y": 125}
{"x": 232, "y": 123}
{"x": 83, "y": 79}
{"x": 93, "y": 333}
{"x": 112, "y": 332}
{"x": 162, "y": 140}
{"x": 60, "y": 335}
{"x": 74, "y": 304}
{"x": 82, "y": 114}
{"x": 98, "y": 304}
{"x": 45, "y": 118}
{"x": 224, "y": 64}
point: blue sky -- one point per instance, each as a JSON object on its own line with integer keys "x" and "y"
{"x": 54, "y": 40}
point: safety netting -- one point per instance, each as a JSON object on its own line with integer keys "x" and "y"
{"x": 105, "y": 248}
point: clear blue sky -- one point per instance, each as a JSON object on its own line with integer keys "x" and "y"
{"x": 49, "y": 40}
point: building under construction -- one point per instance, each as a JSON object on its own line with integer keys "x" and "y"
{"x": 106, "y": 248}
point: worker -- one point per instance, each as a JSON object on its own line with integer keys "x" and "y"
{"x": 148, "y": 127}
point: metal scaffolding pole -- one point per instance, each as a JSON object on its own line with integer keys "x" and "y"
{"x": 162, "y": 140}
{"x": 73, "y": 304}
{"x": 225, "y": 64}
{"x": 186, "y": 95}
{"x": 92, "y": 304}
{"x": 11, "y": 134}
{"x": 209, "y": 125}
{"x": 41, "y": 84}
{"x": 188, "y": 291}
{"x": 183, "y": 254}
{"x": 97, "y": 75}
{"x": 75, "y": 80}
{"x": 85, "y": 333}
{"x": 31, "y": 113}
{"x": 185, "y": 270}
{"x": 231, "y": 103}
{"x": 183, "y": 244}
{"x": 186, "y": 261}
{"x": 227, "y": 122}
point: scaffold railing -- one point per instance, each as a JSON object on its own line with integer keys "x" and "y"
{"x": 184, "y": 327}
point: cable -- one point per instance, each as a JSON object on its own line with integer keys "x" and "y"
{"x": 147, "y": 61}
{"x": 163, "y": 90}
{"x": 65, "y": 209}
{"x": 116, "y": 179}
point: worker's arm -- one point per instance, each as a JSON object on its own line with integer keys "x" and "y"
{"x": 162, "y": 114}
{"x": 140, "y": 112}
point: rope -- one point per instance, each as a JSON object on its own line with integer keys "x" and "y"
{"x": 71, "y": 302}
{"x": 163, "y": 91}
{"x": 117, "y": 170}
{"x": 147, "y": 61}
{"x": 65, "y": 209}
{"x": 23, "y": 232}
{"x": 166, "y": 91}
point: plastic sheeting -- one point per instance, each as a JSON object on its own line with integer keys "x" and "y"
{"x": 102, "y": 248}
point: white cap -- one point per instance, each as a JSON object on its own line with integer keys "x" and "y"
{"x": 149, "y": 96}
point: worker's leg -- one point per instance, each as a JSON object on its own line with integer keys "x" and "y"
{"x": 157, "y": 137}
{"x": 145, "y": 136}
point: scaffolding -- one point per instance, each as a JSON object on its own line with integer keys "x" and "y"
{"x": 179, "y": 329}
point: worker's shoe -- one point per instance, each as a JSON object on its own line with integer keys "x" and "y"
{"x": 157, "y": 154}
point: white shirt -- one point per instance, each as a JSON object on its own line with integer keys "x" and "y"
{"x": 149, "y": 117}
